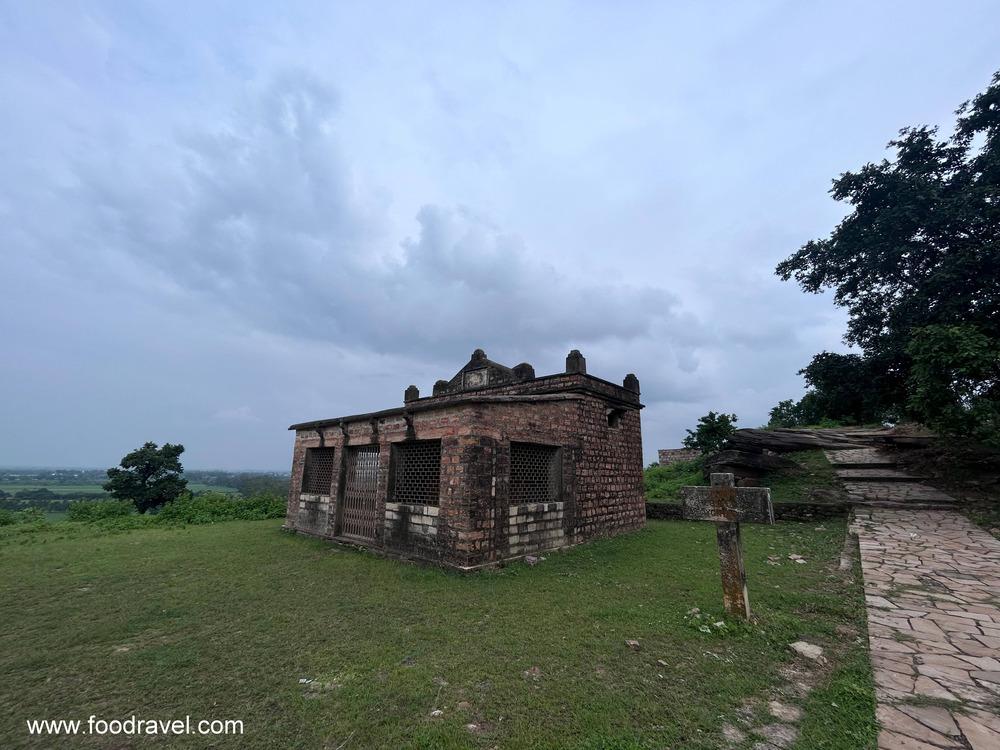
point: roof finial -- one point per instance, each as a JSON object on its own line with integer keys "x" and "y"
{"x": 575, "y": 362}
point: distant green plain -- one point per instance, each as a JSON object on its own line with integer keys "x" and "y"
{"x": 80, "y": 489}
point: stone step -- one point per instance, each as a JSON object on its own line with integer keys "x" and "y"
{"x": 869, "y": 465}
{"x": 897, "y": 492}
{"x": 875, "y": 474}
{"x": 906, "y": 505}
{"x": 860, "y": 458}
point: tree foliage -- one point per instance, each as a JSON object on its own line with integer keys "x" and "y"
{"x": 920, "y": 249}
{"x": 847, "y": 388}
{"x": 711, "y": 432}
{"x": 955, "y": 380}
{"x": 149, "y": 476}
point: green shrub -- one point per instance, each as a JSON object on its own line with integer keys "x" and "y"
{"x": 212, "y": 507}
{"x": 7, "y": 517}
{"x": 264, "y": 505}
{"x": 90, "y": 511}
{"x": 32, "y": 516}
{"x": 124, "y": 523}
{"x": 663, "y": 482}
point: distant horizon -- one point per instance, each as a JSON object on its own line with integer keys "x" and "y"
{"x": 105, "y": 468}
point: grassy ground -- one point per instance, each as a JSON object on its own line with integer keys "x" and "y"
{"x": 223, "y": 621}
{"x": 664, "y": 482}
{"x": 812, "y": 483}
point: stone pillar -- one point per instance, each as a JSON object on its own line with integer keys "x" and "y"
{"x": 631, "y": 383}
{"x": 411, "y": 394}
{"x": 575, "y": 363}
{"x": 524, "y": 371}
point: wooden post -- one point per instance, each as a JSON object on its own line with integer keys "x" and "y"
{"x": 735, "y": 598}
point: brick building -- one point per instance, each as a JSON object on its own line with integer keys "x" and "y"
{"x": 496, "y": 464}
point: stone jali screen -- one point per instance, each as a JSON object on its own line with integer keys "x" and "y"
{"x": 416, "y": 472}
{"x": 534, "y": 473}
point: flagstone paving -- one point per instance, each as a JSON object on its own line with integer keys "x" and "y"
{"x": 932, "y": 586}
{"x": 932, "y": 589}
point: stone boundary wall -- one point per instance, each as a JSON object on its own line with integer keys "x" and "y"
{"x": 669, "y": 456}
{"x": 782, "y": 511}
{"x": 533, "y": 527}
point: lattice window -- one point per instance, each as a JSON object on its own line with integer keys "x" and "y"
{"x": 416, "y": 472}
{"x": 534, "y": 473}
{"x": 318, "y": 476}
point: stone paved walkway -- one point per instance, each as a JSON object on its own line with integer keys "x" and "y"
{"x": 932, "y": 586}
{"x": 932, "y": 589}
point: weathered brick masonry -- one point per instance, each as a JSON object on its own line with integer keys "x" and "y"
{"x": 496, "y": 464}
{"x": 669, "y": 456}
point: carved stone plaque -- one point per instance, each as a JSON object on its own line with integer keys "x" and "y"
{"x": 476, "y": 378}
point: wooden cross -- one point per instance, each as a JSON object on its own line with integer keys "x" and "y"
{"x": 727, "y": 506}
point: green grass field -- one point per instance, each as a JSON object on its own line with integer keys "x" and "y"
{"x": 76, "y": 489}
{"x": 223, "y": 621}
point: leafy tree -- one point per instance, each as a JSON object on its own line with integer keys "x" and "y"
{"x": 920, "y": 248}
{"x": 955, "y": 380}
{"x": 711, "y": 432}
{"x": 785, "y": 414}
{"x": 847, "y": 388}
{"x": 809, "y": 409}
{"x": 148, "y": 476}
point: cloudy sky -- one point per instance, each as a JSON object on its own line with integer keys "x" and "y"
{"x": 216, "y": 221}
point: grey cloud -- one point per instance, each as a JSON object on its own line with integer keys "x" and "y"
{"x": 266, "y": 217}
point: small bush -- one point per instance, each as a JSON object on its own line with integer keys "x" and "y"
{"x": 90, "y": 511}
{"x": 212, "y": 507}
{"x": 33, "y": 516}
{"x": 28, "y": 516}
{"x": 264, "y": 505}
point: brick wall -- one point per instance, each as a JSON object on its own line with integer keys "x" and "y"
{"x": 673, "y": 455}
